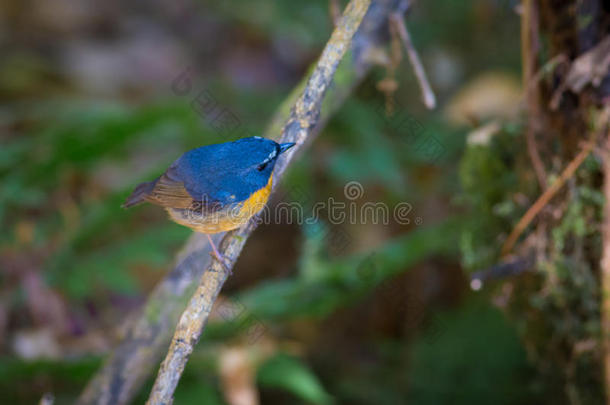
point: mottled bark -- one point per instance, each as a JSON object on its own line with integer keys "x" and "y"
{"x": 566, "y": 83}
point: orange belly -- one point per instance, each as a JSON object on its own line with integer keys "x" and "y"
{"x": 225, "y": 219}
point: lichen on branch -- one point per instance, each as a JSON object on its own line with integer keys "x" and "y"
{"x": 303, "y": 118}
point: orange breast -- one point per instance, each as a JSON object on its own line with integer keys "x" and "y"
{"x": 227, "y": 218}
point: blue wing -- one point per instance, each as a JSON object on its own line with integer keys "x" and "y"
{"x": 213, "y": 175}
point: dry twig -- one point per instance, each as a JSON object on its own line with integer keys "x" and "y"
{"x": 529, "y": 50}
{"x": 543, "y": 200}
{"x": 428, "y": 96}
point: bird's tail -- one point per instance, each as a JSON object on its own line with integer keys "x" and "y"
{"x": 140, "y": 193}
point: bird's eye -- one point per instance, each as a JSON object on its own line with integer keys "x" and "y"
{"x": 262, "y": 166}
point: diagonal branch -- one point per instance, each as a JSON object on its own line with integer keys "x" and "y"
{"x": 147, "y": 337}
{"x": 303, "y": 117}
{"x": 131, "y": 362}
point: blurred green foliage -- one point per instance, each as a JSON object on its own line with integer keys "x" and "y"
{"x": 69, "y": 160}
{"x": 289, "y": 373}
{"x": 489, "y": 176}
{"x": 449, "y": 358}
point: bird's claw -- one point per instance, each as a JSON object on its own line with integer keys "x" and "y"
{"x": 226, "y": 263}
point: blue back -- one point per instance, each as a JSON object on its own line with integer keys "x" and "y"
{"x": 226, "y": 172}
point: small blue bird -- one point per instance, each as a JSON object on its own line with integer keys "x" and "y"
{"x": 215, "y": 188}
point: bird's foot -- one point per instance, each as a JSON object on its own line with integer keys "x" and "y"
{"x": 226, "y": 263}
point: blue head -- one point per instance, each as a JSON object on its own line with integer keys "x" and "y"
{"x": 255, "y": 157}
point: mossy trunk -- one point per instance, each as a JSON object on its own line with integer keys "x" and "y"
{"x": 563, "y": 320}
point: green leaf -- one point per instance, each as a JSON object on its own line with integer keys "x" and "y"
{"x": 291, "y": 374}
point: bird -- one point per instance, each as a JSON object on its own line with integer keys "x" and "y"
{"x": 215, "y": 188}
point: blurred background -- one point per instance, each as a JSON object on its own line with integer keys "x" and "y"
{"x": 88, "y": 110}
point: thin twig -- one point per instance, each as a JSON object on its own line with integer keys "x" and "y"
{"x": 303, "y": 118}
{"x": 529, "y": 50}
{"x": 427, "y": 94}
{"x": 543, "y": 200}
{"x": 500, "y": 271}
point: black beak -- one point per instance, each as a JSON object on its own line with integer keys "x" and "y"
{"x": 285, "y": 146}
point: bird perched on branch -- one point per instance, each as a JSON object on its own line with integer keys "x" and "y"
{"x": 215, "y": 188}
